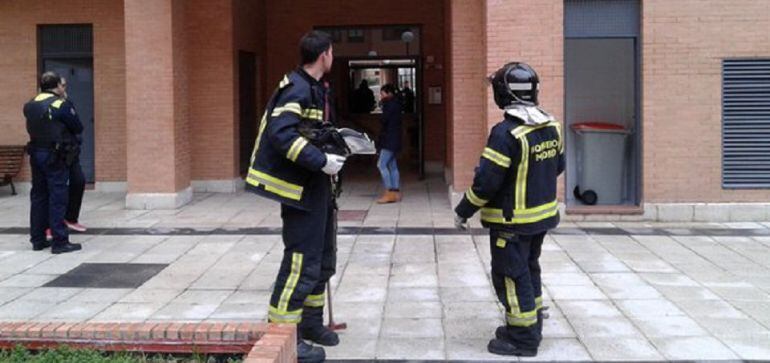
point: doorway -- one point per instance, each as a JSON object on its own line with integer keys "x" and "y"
{"x": 67, "y": 50}
{"x": 247, "y": 107}
{"x": 602, "y": 113}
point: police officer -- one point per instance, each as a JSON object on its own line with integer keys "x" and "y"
{"x": 52, "y": 124}
{"x": 287, "y": 167}
{"x": 515, "y": 188}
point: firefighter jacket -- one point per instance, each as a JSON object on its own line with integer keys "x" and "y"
{"x": 284, "y": 161}
{"x": 515, "y": 182}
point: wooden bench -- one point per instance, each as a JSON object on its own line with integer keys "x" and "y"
{"x": 11, "y": 157}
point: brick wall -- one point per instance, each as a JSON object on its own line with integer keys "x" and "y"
{"x": 155, "y": 98}
{"x": 19, "y": 72}
{"x": 684, "y": 43}
{"x": 212, "y": 97}
{"x": 288, "y": 20}
{"x": 467, "y": 92}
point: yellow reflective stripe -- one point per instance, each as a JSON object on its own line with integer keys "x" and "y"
{"x": 557, "y": 125}
{"x": 291, "y": 281}
{"x": 501, "y": 242}
{"x": 274, "y": 185}
{"x": 284, "y": 82}
{"x": 315, "y": 301}
{"x": 474, "y": 199}
{"x": 539, "y": 302}
{"x": 57, "y": 103}
{"x": 314, "y": 114}
{"x": 296, "y": 148}
{"x": 43, "y": 96}
{"x": 496, "y": 157}
{"x": 521, "y": 175}
{"x": 524, "y": 319}
{"x": 275, "y": 315}
{"x": 510, "y": 295}
{"x": 262, "y": 124}
{"x": 527, "y": 215}
{"x": 292, "y": 107}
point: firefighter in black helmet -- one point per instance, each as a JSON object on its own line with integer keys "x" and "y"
{"x": 287, "y": 167}
{"x": 515, "y": 189}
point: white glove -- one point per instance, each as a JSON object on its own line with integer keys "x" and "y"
{"x": 461, "y": 223}
{"x": 333, "y": 164}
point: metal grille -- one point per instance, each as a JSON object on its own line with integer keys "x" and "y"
{"x": 66, "y": 40}
{"x": 601, "y": 18}
{"x": 746, "y": 123}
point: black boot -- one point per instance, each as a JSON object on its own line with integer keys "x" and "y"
{"x": 506, "y": 347}
{"x": 307, "y": 353}
{"x": 41, "y": 245}
{"x": 65, "y": 247}
{"x": 312, "y": 328}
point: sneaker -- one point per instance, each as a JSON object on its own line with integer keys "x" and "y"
{"x": 48, "y": 235}
{"x": 75, "y": 226}
{"x": 65, "y": 247}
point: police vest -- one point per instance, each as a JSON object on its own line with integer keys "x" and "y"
{"x": 44, "y": 131}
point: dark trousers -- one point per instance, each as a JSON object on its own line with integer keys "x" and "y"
{"x": 77, "y": 187}
{"x": 517, "y": 283}
{"x": 48, "y": 197}
{"x": 309, "y": 256}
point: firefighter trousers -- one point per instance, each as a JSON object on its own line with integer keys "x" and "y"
{"x": 309, "y": 256}
{"x": 517, "y": 283}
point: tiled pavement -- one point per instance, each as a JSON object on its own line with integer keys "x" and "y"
{"x": 617, "y": 291}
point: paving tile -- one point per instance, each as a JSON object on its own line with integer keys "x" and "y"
{"x": 411, "y": 348}
{"x": 482, "y": 293}
{"x": 425, "y": 309}
{"x": 677, "y": 293}
{"x": 50, "y": 294}
{"x": 471, "y": 327}
{"x": 620, "y": 349}
{"x": 78, "y": 311}
{"x": 99, "y": 295}
{"x": 353, "y": 348}
{"x": 732, "y": 327}
{"x": 709, "y": 308}
{"x": 412, "y": 328}
{"x": 149, "y": 295}
{"x": 251, "y": 312}
{"x": 25, "y": 309}
{"x": 566, "y": 278}
{"x": 10, "y": 293}
{"x": 754, "y": 347}
{"x": 472, "y": 350}
{"x": 559, "y": 350}
{"x": 361, "y": 328}
{"x": 576, "y": 293}
{"x": 412, "y": 294}
{"x": 692, "y": 348}
{"x": 558, "y": 327}
{"x": 669, "y": 326}
{"x": 123, "y": 312}
{"x": 649, "y": 308}
{"x": 604, "y": 327}
{"x": 588, "y": 308}
{"x": 27, "y": 280}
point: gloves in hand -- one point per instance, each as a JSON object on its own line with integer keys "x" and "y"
{"x": 461, "y": 223}
{"x": 333, "y": 164}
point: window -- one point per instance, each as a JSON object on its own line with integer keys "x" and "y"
{"x": 355, "y": 36}
{"x": 746, "y": 123}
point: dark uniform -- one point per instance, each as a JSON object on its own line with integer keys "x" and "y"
{"x": 286, "y": 167}
{"x": 52, "y": 124}
{"x": 515, "y": 188}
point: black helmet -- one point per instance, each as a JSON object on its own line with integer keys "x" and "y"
{"x": 515, "y": 84}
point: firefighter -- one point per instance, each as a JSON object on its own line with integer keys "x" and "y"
{"x": 287, "y": 167}
{"x": 515, "y": 189}
{"x": 52, "y": 124}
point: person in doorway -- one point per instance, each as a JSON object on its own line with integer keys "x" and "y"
{"x": 52, "y": 124}
{"x": 288, "y": 168}
{"x": 390, "y": 145}
{"x": 407, "y": 98}
{"x": 363, "y": 99}
{"x": 77, "y": 184}
{"x": 515, "y": 188}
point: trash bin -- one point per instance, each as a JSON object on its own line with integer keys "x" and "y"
{"x": 601, "y": 162}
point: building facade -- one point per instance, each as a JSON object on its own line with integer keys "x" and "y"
{"x": 176, "y": 86}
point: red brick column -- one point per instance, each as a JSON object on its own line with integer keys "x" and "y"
{"x": 156, "y": 105}
{"x": 467, "y": 91}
